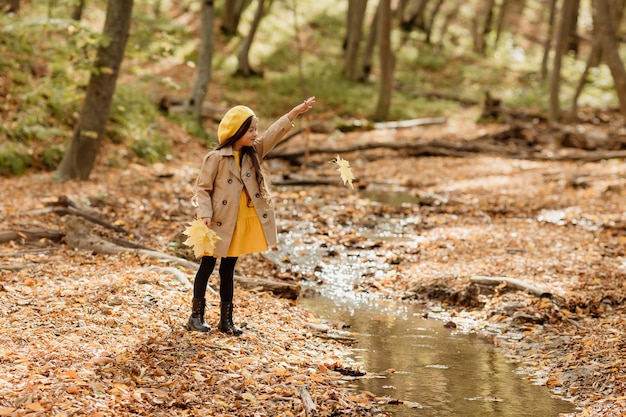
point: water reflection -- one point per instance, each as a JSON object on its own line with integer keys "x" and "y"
{"x": 438, "y": 372}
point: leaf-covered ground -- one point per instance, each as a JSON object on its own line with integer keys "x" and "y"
{"x": 86, "y": 334}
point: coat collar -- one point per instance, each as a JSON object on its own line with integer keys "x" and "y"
{"x": 232, "y": 164}
{"x": 226, "y": 151}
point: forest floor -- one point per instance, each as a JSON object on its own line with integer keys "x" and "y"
{"x": 97, "y": 334}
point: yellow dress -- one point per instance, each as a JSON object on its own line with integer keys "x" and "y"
{"x": 248, "y": 236}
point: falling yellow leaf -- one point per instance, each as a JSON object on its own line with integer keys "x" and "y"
{"x": 344, "y": 170}
{"x": 201, "y": 238}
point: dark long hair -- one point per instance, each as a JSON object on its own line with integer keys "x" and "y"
{"x": 248, "y": 151}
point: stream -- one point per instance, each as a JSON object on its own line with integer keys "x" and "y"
{"x": 433, "y": 370}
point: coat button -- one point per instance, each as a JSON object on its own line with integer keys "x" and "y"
{"x": 224, "y": 202}
{"x": 265, "y": 216}
{"x": 230, "y": 180}
{"x": 219, "y": 223}
{"x": 247, "y": 174}
{"x": 257, "y": 195}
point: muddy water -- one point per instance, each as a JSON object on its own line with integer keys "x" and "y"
{"x": 434, "y": 370}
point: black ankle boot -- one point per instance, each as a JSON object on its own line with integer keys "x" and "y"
{"x": 196, "y": 320}
{"x": 226, "y": 320}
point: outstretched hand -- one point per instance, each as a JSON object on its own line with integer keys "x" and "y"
{"x": 301, "y": 108}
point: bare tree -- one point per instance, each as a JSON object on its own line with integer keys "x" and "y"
{"x": 482, "y": 24}
{"x": 10, "y": 6}
{"x": 611, "y": 49}
{"x": 243, "y": 57}
{"x": 370, "y": 45}
{"x": 548, "y": 43}
{"x": 233, "y": 10}
{"x": 385, "y": 53}
{"x": 431, "y": 20}
{"x": 596, "y": 51}
{"x": 77, "y": 12}
{"x": 79, "y": 159}
{"x": 509, "y": 18}
{"x": 572, "y": 42}
{"x": 413, "y": 16}
{"x": 567, "y": 10}
{"x": 354, "y": 29}
{"x": 205, "y": 59}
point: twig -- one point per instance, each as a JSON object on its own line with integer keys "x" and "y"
{"x": 26, "y": 252}
{"x": 510, "y": 282}
{"x": 16, "y": 267}
{"x": 310, "y": 409}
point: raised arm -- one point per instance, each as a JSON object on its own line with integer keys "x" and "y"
{"x": 301, "y": 108}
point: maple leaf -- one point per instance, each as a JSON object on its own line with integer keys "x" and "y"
{"x": 201, "y": 238}
{"x": 344, "y": 170}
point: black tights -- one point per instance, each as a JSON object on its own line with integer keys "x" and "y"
{"x": 227, "y": 282}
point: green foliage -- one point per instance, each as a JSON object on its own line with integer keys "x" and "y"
{"x": 191, "y": 126}
{"x": 14, "y": 159}
{"x": 154, "y": 38}
{"x": 51, "y": 157}
{"x": 134, "y": 117}
{"x": 151, "y": 149}
{"x": 48, "y": 59}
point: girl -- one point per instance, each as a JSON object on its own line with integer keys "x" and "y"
{"x": 233, "y": 200}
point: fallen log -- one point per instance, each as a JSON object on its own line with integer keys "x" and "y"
{"x": 403, "y": 124}
{"x": 304, "y": 180}
{"x": 453, "y": 149}
{"x": 35, "y": 233}
{"x": 364, "y": 125}
{"x": 279, "y": 289}
{"x": 510, "y": 282}
{"x": 65, "y": 206}
{"x": 179, "y": 105}
{"x": 431, "y": 148}
{"x": 25, "y": 253}
{"x": 586, "y": 156}
{"x": 16, "y": 267}
{"x": 79, "y": 236}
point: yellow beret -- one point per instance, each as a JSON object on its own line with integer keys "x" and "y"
{"x": 232, "y": 121}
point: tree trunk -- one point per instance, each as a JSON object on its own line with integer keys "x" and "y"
{"x": 611, "y": 49}
{"x": 449, "y": 17}
{"x": 243, "y": 61}
{"x": 414, "y": 16}
{"x": 596, "y": 46}
{"x": 561, "y": 41}
{"x": 548, "y": 43}
{"x": 9, "y": 6}
{"x": 572, "y": 34}
{"x": 485, "y": 13}
{"x": 205, "y": 59}
{"x": 431, "y": 21}
{"x": 386, "y": 62}
{"x": 368, "y": 54}
{"x": 231, "y": 16}
{"x": 354, "y": 29}
{"x": 77, "y": 12}
{"x": 509, "y": 18}
{"x": 79, "y": 159}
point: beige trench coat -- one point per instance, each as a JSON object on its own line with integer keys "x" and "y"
{"x": 220, "y": 184}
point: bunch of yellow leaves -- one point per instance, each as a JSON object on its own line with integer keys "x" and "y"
{"x": 344, "y": 170}
{"x": 201, "y": 238}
